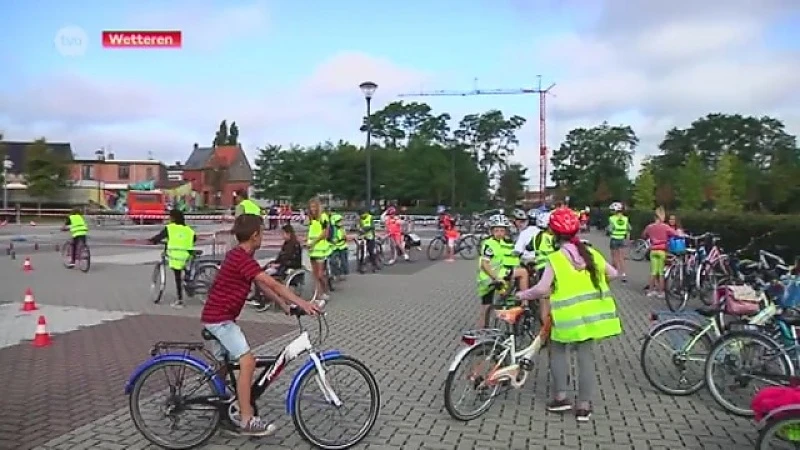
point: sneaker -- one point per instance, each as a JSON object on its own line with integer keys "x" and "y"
{"x": 257, "y": 427}
{"x": 177, "y": 304}
{"x": 325, "y": 297}
{"x": 583, "y": 415}
{"x": 406, "y": 257}
{"x": 320, "y": 303}
{"x": 559, "y": 405}
{"x": 71, "y": 266}
{"x": 624, "y": 278}
{"x": 651, "y": 294}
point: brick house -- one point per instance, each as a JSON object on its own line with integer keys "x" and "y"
{"x": 217, "y": 173}
{"x": 117, "y": 172}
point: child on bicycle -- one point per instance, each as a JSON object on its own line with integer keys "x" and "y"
{"x": 180, "y": 248}
{"x": 78, "y": 229}
{"x": 227, "y": 297}
{"x": 394, "y": 230}
{"x": 340, "y": 250}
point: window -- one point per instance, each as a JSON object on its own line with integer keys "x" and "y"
{"x": 124, "y": 172}
{"x": 87, "y": 172}
{"x": 149, "y": 173}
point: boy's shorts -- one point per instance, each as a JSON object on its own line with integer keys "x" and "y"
{"x": 234, "y": 343}
{"x": 658, "y": 259}
{"x": 617, "y": 244}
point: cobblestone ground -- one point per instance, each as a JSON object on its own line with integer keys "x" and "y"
{"x": 406, "y": 326}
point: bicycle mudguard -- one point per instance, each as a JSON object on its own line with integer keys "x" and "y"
{"x": 294, "y": 387}
{"x": 781, "y": 412}
{"x": 203, "y": 366}
{"x": 460, "y": 355}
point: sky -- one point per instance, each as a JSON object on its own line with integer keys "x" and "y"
{"x": 288, "y": 71}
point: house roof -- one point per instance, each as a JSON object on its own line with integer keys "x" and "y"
{"x": 232, "y": 156}
{"x": 16, "y": 151}
{"x": 199, "y": 158}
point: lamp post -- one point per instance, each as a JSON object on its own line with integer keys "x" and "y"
{"x": 368, "y": 88}
{"x": 7, "y": 165}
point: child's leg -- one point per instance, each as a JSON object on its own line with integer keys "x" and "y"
{"x": 178, "y": 283}
{"x": 486, "y": 302}
{"x": 344, "y": 255}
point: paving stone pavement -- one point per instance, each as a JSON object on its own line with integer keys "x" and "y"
{"x": 407, "y": 328}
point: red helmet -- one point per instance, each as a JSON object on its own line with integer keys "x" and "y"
{"x": 391, "y": 211}
{"x": 564, "y": 222}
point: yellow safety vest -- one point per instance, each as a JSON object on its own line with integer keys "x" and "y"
{"x": 180, "y": 241}
{"x": 322, "y": 248}
{"x": 619, "y": 226}
{"x": 510, "y": 260}
{"x": 77, "y": 226}
{"x": 366, "y": 223}
{"x": 544, "y": 249}
{"x": 580, "y": 311}
{"x": 340, "y": 242}
{"x": 497, "y": 263}
{"x": 250, "y": 207}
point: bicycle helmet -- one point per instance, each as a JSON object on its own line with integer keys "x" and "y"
{"x": 441, "y": 209}
{"x": 532, "y": 215}
{"x": 616, "y": 207}
{"x": 336, "y": 218}
{"x": 519, "y": 215}
{"x": 499, "y": 221}
{"x": 391, "y": 211}
{"x": 543, "y": 220}
{"x": 563, "y": 222}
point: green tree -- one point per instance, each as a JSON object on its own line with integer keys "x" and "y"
{"x": 644, "y": 194}
{"x": 511, "y": 186}
{"x": 46, "y": 173}
{"x": 233, "y": 135}
{"x": 221, "y": 138}
{"x": 264, "y": 173}
{"x": 399, "y": 122}
{"x": 589, "y": 157}
{"x": 691, "y": 183}
{"x": 491, "y": 138}
{"x": 723, "y": 185}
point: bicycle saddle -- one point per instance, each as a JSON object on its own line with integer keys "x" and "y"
{"x": 207, "y": 336}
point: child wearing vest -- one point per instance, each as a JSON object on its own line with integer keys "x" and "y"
{"x": 576, "y": 300}
{"x": 76, "y": 224}
{"x": 180, "y": 240}
{"x": 339, "y": 245}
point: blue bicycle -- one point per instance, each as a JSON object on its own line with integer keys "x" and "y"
{"x": 175, "y": 383}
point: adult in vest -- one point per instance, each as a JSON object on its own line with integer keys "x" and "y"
{"x": 246, "y": 206}
{"x": 180, "y": 239}
{"x": 619, "y": 228}
{"x": 318, "y": 247}
{"x": 78, "y": 230}
{"x": 580, "y": 310}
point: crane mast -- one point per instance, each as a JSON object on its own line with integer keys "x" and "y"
{"x": 541, "y": 92}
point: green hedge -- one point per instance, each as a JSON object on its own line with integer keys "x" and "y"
{"x": 736, "y": 230}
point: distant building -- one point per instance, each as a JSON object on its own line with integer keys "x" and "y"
{"x": 217, "y": 173}
{"x": 16, "y": 152}
{"x": 175, "y": 172}
{"x": 115, "y": 174}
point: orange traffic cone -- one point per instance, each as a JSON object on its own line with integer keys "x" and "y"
{"x": 42, "y": 337}
{"x": 27, "y": 266}
{"x": 29, "y": 303}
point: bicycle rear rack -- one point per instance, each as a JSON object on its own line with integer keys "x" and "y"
{"x": 486, "y": 334}
{"x": 162, "y": 347}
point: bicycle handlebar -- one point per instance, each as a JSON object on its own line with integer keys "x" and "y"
{"x": 322, "y": 323}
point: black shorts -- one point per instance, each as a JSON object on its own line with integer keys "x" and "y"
{"x": 487, "y": 299}
{"x": 318, "y": 258}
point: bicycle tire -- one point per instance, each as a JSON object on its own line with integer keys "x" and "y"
{"x": 303, "y": 277}
{"x": 66, "y": 253}
{"x": 714, "y": 390}
{"x": 448, "y": 384}
{"x": 393, "y": 254}
{"x": 638, "y": 250}
{"x": 158, "y": 282}
{"x": 775, "y": 426}
{"x": 375, "y": 404}
{"x": 136, "y": 414}
{"x": 468, "y": 247}
{"x": 435, "y": 252}
{"x": 646, "y": 345}
{"x": 705, "y": 271}
{"x": 670, "y": 295}
{"x": 204, "y": 276}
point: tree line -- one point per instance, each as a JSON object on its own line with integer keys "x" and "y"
{"x": 416, "y": 158}
{"x": 45, "y": 172}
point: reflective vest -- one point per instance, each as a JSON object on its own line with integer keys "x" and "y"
{"x": 325, "y": 218}
{"x": 544, "y": 249}
{"x": 180, "y": 242}
{"x": 619, "y": 226}
{"x": 510, "y": 260}
{"x": 77, "y": 225}
{"x": 340, "y": 243}
{"x": 250, "y": 207}
{"x": 579, "y": 310}
{"x": 322, "y": 248}
{"x": 366, "y": 223}
{"x": 497, "y": 263}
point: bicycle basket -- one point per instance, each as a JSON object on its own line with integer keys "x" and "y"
{"x": 676, "y": 245}
{"x": 739, "y": 300}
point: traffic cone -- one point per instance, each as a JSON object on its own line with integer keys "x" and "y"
{"x": 42, "y": 337}
{"x": 27, "y": 266}
{"x": 29, "y": 303}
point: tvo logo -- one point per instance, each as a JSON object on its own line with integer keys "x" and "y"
{"x": 71, "y": 41}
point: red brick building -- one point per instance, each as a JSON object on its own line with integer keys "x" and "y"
{"x": 217, "y": 173}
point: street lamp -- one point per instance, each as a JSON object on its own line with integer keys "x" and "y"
{"x": 368, "y": 88}
{"x": 7, "y": 165}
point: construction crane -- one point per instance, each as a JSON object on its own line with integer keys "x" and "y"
{"x": 541, "y": 92}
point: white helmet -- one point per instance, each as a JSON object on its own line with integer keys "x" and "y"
{"x": 533, "y": 214}
{"x": 519, "y": 214}
{"x": 543, "y": 220}
{"x": 616, "y": 207}
{"x": 499, "y": 221}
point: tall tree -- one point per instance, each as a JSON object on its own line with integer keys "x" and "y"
{"x": 491, "y": 137}
{"x": 691, "y": 183}
{"x": 221, "y": 138}
{"x": 644, "y": 194}
{"x": 264, "y": 173}
{"x": 399, "y": 122}
{"x": 233, "y": 135}
{"x": 723, "y": 185}
{"x": 46, "y": 173}
{"x": 589, "y": 157}
{"x": 511, "y": 186}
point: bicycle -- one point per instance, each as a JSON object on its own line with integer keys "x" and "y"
{"x": 221, "y": 402}
{"x": 639, "y": 249}
{"x": 411, "y": 242}
{"x": 680, "y": 277}
{"x": 467, "y": 245}
{"x": 298, "y": 280}
{"x": 362, "y": 253}
{"x": 197, "y": 279}
{"x": 83, "y": 258}
{"x": 507, "y": 366}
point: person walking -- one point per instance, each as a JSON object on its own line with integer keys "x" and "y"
{"x": 577, "y": 304}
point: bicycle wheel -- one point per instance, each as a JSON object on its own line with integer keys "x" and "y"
{"x": 782, "y": 433}
{"x": 301, "y": 281}
{"x": 84, "y": 258}
{"x": 66, "y": 253}
{"x": 337, "y": 436}
{"x": 360, "y": 256}
{"x": 485, "y": 355}
{"x": 436, "y": 249}
{"x": 204, "y": 277}
{"x": 172, "y": 407}
{"x": 735, "y": 355}
{"x": 675, "y": 294}
{"x": 638, "y": 250}
{"x": 705, "y": 283}
{"x": 685, "y": 348}
{"x": 468, "y": 246}
{"x": 392, "y": 253}
{"x": 158, "y": 282}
